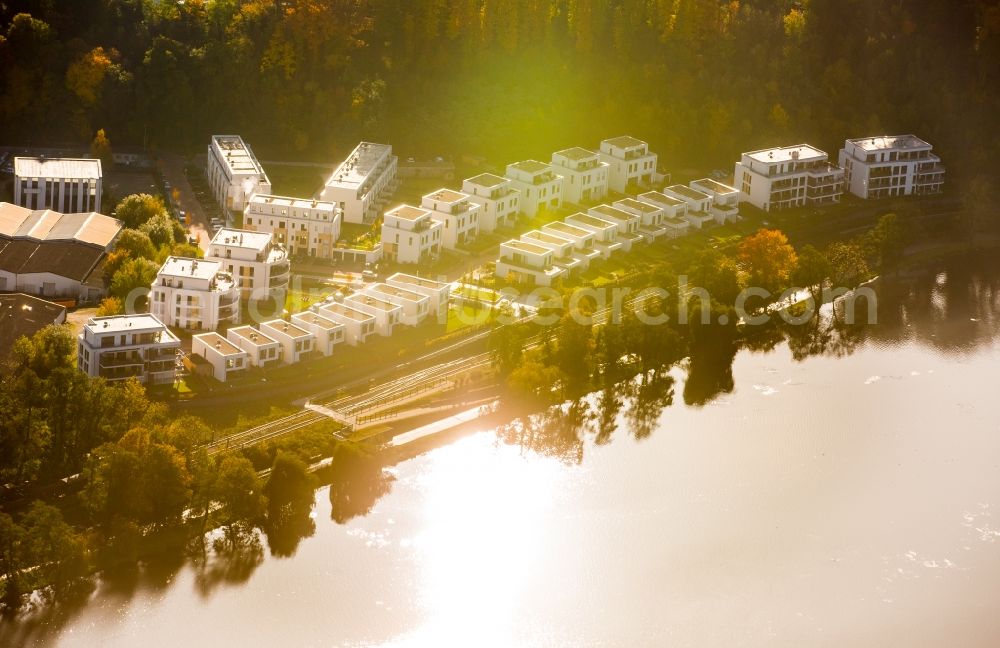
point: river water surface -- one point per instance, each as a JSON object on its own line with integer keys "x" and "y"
{"x": 848, "y": 498}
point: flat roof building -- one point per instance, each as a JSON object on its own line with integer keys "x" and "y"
{"x": 361, "y": 184}
{"x": 540, "y": 187}
{"x": 128, "y": 346}
{"x": 499, "y": 200}
{"x": 194, "y": 294}
{"x": 411, "y": 234}
{"x": 67, "y": 185}
{"x": 891, "y": 165}
{"x": 226, "y": 358}
{"x": 630, "y": 163}
{"x": 788, "y": 176}
{"x": 305, "y": 227}
{"x": 258, "y": 265}
{"x": 233, "y": 172}
{"x": 585, "y": 175}
{"x": 457, "y": 213}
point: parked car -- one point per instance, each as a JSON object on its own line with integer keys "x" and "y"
{"x": 369, "y": 275}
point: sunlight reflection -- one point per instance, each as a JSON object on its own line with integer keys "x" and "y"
{"x": 485, "y": 511}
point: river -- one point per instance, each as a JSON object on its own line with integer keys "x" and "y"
{"x": 851, "y": 497}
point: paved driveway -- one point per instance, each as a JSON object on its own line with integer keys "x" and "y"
{"x": 172, "y": 167}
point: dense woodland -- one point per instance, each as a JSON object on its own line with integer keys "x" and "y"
{"x": 700, "y": 79}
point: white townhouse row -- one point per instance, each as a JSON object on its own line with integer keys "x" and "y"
{"x": 136, "y": 346}
{"x": 233, "y": 173}
{"x": 376, "y": 309}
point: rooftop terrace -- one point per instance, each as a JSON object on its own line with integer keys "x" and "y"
{"x": 237, "y": 155}
{"x": 884, "y": 142}
{"x": 797, "y": 153}
{"x": 357, "y": 169}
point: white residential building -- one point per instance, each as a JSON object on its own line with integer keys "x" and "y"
{"x": 411, "y": 235}
{"x": 414, "y": 306}
{"x": 539, "y": 186}
{"x": 386, "y": 313}
{"x": 527, "y": 263}
{"x": 64, "y": 185}
{"x": 305, "y": 227}
{"x": 562, "y": 250}
{"x": 627, "y": 223}
{"x": 225, "y": 358}
{"x": 233, "y": 173}
{"x": 128, "y": 346}
{"x": 583, "y": 240}
{"x": 725, "y": 205}
{"x": 296, "y": 342}
{"x": 790, "y": 176}
{"x": 891, "y": 165}
{"x": 699, "y": 205}
{"x": 499, "y": 200}
{"x": 259, "y": 266}
{"x": 605, "y": 232}
{"x": 630, "y": 163}
{"x": 362, "y": 183}
{"x": 650, "y": 217}
{"x": 262, "y": 349}
{"x": 328, "y": 333}
{"x": 457, "y": 213}
{"x": 357, "y": 324}
{"x": 674, "y": 212}
{"x": 194, "y": 294}
{"x": 438, "y": 292}
{"x": 585, "y": 175}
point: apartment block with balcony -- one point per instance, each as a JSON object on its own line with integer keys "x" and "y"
{"x": 499, "y": 200}
{"x": 562, "y": 251}
{"x": 225, "y": 358}
{"x": 233, "y": 173}
{"x": 411, "y": 234}
{"x": 296, "y": 342}
{"x": 630, "y": 163}
{"x": 540, "y": 187}
{"x": 414, "y": 307}
{"x": 650, "y": 218}
{"x": 327, "y": 332}
{"x": 308, "y": 228}
{"x": 891, "y": 165}
{"x": 674, "y": 212}
{"x": 725, "y": 205}
{"x": 386, "y": 313}
{"x": 627, "y": 223}
{"x": 699, "y": 205}
{"x": 582, "y": 239}
{"x": 458, "y": 214}
{"x": 437, "y": 292}
{"x": 119, "y": 347}
{"x": 585, "y": 175}
{"x": 194, "y": 294}
{"x": 526, "y": 263}
{"x": 258, "y": 265}
{"x": 358, "y": 326}
{"x": 605, "y": 232}
{"x": 262, "y": 349}
{"x": 790, "y": 176}
{"x": 361, "y": 185}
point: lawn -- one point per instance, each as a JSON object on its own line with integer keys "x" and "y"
{"x": 297, "y": 181}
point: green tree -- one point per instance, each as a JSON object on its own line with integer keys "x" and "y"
{"x": 55, "y": 549}
{"x": 11, "y": 561}
{"x": 848, "y": 266}
{"x": 289, "y": 488}
{"x": 574, "y": 352}
{"x": 887, "y": 241}
{"x": 160, "y": 230}
{"x": 136, "y": 244}
{"x": 812, "y": 272}
{"x": 136, "y": 209}
{"x": 507, "y": 347}
{"x": 135, "y": 274}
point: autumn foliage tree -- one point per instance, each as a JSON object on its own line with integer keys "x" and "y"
{"x": 768, "y": 259}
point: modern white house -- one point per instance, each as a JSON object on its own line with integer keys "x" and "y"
{"x": 789, "y": 176}
{"x": 725, "y": 205}
{"x": 233, "y": 173}
{"x": 361, "y": 184}
{"x": 327, "y": 332}
{"x": 128, "y": 346}
{"x": 66, "y": 185}
{"x": 627, "y": 223}
{"x": 437, "y": 292}
{"x": 411, "y": 234}
{"x": 357, "y": 324}
{"x": 539, "y": 186}
{"x": 386, "y": 313}
{"x": 650, "y": 218}
{"x": 630, "y": 163}
{"x": 605, "y": 232}
{"x": 258, "y": 264}
{"x": 585, "y": 175}
{"x": 458, "y": 214}
{"x": 582, "y": 239}
{"x": 891, "y": 165}
{"x": 527, "y": 263}
{"x": 225, "y": 358}
{"x": 699, "y": 205}
{"x": 562, "y": 250}
{"x": 194, "y": 294}
{"x": 262, "y": 349}
{"x": 674, "y": 212}
{"x": 499, "y": 200}
{"x": 305, "y": 227}
{"x": 414, "y": 307}
{"x": 296, "y": 342}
